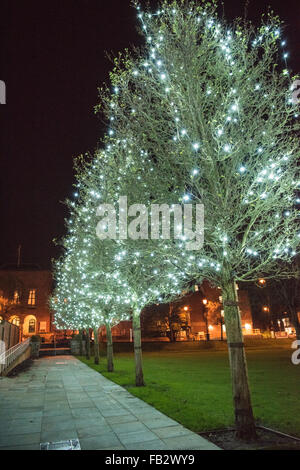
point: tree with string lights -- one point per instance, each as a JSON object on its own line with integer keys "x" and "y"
{"x": 121, "y": 269}
{"x": 87, "y": 295}
{"x": 207, "y": 107}
{"x": 71, "y": 311}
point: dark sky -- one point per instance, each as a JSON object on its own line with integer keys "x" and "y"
{"x": 52, "y": 59}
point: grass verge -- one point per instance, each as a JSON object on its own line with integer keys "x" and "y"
{"x": 193, "y": 386}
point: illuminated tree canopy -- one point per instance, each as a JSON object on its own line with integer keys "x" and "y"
{"x": 202, "y": 114}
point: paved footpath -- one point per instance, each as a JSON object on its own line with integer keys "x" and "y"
{"x": 60, "y": 398}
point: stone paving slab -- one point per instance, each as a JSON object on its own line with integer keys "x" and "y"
{"x": 60, "y": 398}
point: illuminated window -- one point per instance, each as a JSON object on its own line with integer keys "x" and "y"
{"x": 1, "y": 318}
{"x": 16, "y": 297}
{"x": 31, "y": 326}
{"x": 31, "y": 298}
{"x": 286, "y": 322}
{"x": 15, "y": 321}
{"x": 43, "y": 326}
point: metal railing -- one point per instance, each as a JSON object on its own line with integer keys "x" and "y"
{"x": 9, "y": 333}
{"x": 9, "y": 356}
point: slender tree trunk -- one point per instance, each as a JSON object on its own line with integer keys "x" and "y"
{"x": 297, "y": 327}
{"x": 206, "y": 326}
{"x": 80, "y": 343}
{"x": 295, "y": 321}
{"x": 172, "y": 334}
{"x": 96, "y": 346}
{"x": 87, "y": 343}
{"x": 139, "y": 377}
{"x": 109, "y": 349}
{"x": 244, "y": 419}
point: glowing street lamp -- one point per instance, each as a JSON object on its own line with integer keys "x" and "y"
{"x": 261, "y": 282}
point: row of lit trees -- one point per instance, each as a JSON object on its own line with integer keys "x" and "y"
{"x": 104, "y": 281}
{"x": 201, "y": 115}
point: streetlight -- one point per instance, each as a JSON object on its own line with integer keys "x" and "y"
{"x": 204, "y": 301}
{"x": 261, "y": 282}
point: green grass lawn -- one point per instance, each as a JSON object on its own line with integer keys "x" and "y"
{"x": 193, "y": 386}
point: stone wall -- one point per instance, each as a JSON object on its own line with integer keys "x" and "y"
{"x": 75, "y": 347}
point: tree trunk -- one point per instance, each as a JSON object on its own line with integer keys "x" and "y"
{"x": 206, "y": 325}
{"x": 80, "y": 343}
{"x": 96, "y": 346}
{"x": 297, "y": 328}
{"x": 244, "y": 419}
{"x": 139, "y": 377}
{"x": 88, "y": 344}
{"x": 172, "y": 333}
{"x": 295, "y": 322}
{"x": 109, "y": 349}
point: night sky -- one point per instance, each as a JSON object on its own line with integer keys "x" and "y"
{"x": 53, "y": 56}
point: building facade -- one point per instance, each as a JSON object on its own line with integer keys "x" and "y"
{"x": 25, "y": 291}
{"x": 196, "y": 316}
{"x": 24, "y": 294}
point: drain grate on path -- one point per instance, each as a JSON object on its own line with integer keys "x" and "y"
{"x": 71, "y": 444}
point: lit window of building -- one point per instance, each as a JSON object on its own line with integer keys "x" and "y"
{"x": 16, "y": 297}
{"x": 286, "y": 322}
{"x": 31, "y": 326}
{"x": 32, "y": 297}
{"x": 15, "y": 321}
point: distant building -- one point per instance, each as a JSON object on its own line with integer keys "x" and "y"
{"x": 25, "y": 290}
{"x": 209, "y": 317}
{"x": 24, "y": 293}
{"x": 193, "y": 318}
